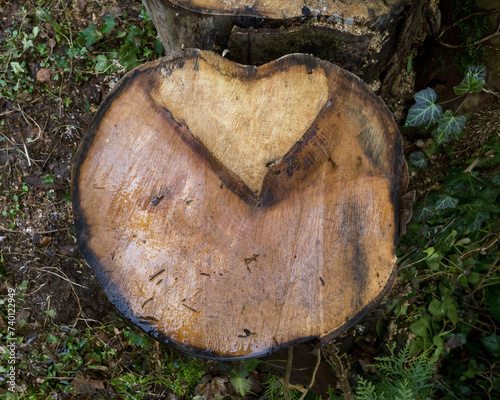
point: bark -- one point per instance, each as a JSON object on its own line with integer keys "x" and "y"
{"x": 361, "y": 36}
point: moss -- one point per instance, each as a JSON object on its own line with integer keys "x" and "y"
{"x": 470, "y": 31}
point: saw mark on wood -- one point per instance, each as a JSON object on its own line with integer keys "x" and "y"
{"x": 191, "y": 308}
{"x": 146, "y": 302}
{"x": 155, "y": 275}
{"x": 248, "y": 260}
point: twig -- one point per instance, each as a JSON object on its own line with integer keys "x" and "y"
{"x": 19, "y": 108}
{"x": 446, "y": 388}
{"x": 80, "y": 312}
{"x": 334, "y": 360}
{"x": 37, "y": 289}
{"x": 29, "y": 233}
{"x": 413, "y": 263}
{"x": 489, "y": 273}
{"x": 65, "y": 278}
{"x": 491, "y": 92}
{"x": 26, "y": 152}
{"x": 16, "y": 147}
{"x": 463, "y": 46}
{"x": 495, "y": 10}
{"x": 484, "y": 247}
{"x": 313, "y": 379}
{"x": 51, "y": 151}
{"x": 288, "y": 372}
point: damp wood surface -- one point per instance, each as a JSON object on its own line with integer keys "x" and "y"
{"x": 231, "y": 210}
{"x": 361, "y": 36}
{"x": 363, "y": 9}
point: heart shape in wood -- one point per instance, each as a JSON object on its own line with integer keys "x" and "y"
{"x": 229, "y": 210}
{"x": 246, "y": 119}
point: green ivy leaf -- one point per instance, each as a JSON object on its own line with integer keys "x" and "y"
{"x": 435, "y": 308}
{"x": 492, "y": 344}
{"x": 422, "y": 212}
{"x": 449, "y": 127}
{"x": 418, "y": 159}
{"x": 250, "y": 365}
{"x": 128, "y": 55}
{"x": 473, "y": 81}
{"x": 452, "y": 314}
{"x": 478, "y": 220}
{"x": 474, "y": 278}
{"x": 479, "y": 72}
{"x": 444, "y": 201}
{"x": 424, "y": 111}
{"x": 51, "y": 338}
{"x": 101, "y": 63}
{"x": 109, "y": 23}
{"x": 17, "y": 68}
{"x": 421, "y": 327}
{"x": 240, "y": 381}
{"x": 135, "y": 339}
{"x": 434, "y": 261}
{"x": 48, "y": 179}
{"x": 439, "y": 343}
{"x": 158, "y": 47}
{"x": 90, "y": 35}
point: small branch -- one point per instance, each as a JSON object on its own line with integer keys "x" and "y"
{"x": 17, "y": 148}
{"x": 27, "y": 154}
{"x": 489, "y": 273}
{"x": 495, "y": 10}
{"x": 463, "y": 102}
{"x": 491, "y": 92}
{"x": 449, "y": 101}
{"x": 334, "y": 360}
{"x": 30, "y": 233}
{"x": 313, "y": 379}
{"x": 64, "y": 278}
{"x": 288, "y": 372}
{"x": 463, "y": 46}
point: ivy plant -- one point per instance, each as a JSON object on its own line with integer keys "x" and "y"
{"x": 446, "y": 125}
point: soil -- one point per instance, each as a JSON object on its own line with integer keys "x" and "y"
{"x": 39, "y": 136}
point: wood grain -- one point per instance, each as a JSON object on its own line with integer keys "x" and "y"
{"x": 358, "y": 35}
{"x": 230, "y": 210}
{"x": 287, "y": 8}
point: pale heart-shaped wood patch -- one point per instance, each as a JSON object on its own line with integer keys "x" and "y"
{"x": 230, "y": 210}
{"x": 243, "y": 115}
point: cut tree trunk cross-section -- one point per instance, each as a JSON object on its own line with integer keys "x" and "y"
{"x": 230, "y": 210}
{"x": 358, "y": 35}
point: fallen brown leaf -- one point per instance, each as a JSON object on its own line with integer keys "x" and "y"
{"x": 86, "y": 386}
{"x": 44, "y": 75}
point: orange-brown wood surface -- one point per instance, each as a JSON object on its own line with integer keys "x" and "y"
{"x": 361, "y": 9}
{"x": 229, "y": 210}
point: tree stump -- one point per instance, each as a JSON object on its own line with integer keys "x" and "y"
{"x": 231, "y": 210}
{"x": 358, "y": 35}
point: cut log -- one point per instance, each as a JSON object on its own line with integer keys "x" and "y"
{"x": 231, "y": 210}
{"x": 358, "y": 35}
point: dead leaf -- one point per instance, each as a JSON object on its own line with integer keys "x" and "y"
{"x": 23, "y": 314}
{"x": 45, "y": 241}
{"x": 44, "y": 74}
{"x": 68, "y": 250}
{"x": 52, "y": 43}
{"x": 212, "y": 388}
{"x": 82, "y": 5}
{"x": 86, "y": 386}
